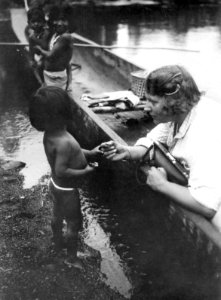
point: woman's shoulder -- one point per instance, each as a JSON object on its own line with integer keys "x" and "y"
{"x": 207, "y": 115}
{"x": 209, "y": 106}
{"x": 206, "y": 100}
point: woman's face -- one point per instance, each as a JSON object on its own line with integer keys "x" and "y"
{"x": 158, "y": 110}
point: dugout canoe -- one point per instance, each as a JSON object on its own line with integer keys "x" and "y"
{"x": 102, "y": 71}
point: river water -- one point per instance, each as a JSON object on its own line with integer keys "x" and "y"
{"x": 143, "y": 257}
{"x": 195, "y": 31}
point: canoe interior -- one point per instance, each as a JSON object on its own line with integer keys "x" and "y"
{"x": 101, "y": 72}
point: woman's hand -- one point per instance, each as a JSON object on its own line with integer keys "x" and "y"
{"x": 114, "y": 151}
{"x": 156, "y": 177}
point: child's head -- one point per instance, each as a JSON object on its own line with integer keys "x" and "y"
{"x": 57, "y": 15}
{"x": 50, "y": 109}
{"x": 36, "y": 18}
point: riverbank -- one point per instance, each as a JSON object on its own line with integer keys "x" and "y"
{"x": 29, "y": 268}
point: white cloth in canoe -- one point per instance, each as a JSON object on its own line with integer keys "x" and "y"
{"x": 111, "y": 98}
{"x": 58, "y": 79}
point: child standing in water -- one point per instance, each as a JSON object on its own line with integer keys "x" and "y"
{"x": 50, "y": 111}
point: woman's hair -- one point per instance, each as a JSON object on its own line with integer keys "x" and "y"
{"x": 50, "y": 107}
{"x": 175, "y": 84}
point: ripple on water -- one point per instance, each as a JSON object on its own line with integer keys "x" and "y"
{"x": 97, "y": 234}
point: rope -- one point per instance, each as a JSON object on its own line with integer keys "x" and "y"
{"x": 132, "y": 47}
{"x": 107, "y": 47}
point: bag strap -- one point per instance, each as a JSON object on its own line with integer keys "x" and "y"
{"x": 172, "y": 159}
{"x": 145, "y": 160}
{"x": 150, "y": 162}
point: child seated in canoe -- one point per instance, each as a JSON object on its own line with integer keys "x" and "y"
{"x": 37, "y": 33}
{"x": 58, "y": 56}
{"x": 50, "y": 111}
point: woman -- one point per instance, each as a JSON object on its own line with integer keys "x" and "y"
{"x": 189, "y": 124}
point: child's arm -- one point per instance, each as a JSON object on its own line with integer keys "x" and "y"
{"x": 57, "y": 49}
{"x": 62, "y": 168}
{"x": 32, "y": 54}
{"x": 45, "y": 53}
{"x": 92, "y": 154}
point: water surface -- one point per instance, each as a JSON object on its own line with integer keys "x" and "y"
{"x": 195, "y": 31}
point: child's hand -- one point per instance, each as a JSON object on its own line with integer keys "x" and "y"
{"x": 33, "y": 63}
{"x": 91, "y": 167}
{"x": 96, "y": 152}
{"x": 94, "y": 164}
{"x": 106, "y": 146}
{"x": 38, "y": 48}
{"x": 115, "y": 151}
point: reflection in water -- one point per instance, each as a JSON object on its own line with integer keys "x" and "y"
{"x": 18, "y": 140}
{"x": 98, "y": 238}
{"x": 194, "y": 28}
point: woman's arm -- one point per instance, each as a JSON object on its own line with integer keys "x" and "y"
{"x": 157, "y": 180}
{"x": 115, "y": 151}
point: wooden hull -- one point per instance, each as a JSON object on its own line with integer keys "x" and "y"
{"x": 94, "y": 130}
{"x": 102, "y": 71}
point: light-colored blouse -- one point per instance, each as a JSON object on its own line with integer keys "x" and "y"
{"x": 197, "y": 145}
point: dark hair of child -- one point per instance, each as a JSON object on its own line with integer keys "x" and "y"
{"x": 35, "y": 14}
{"x": 50, "y": 108}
